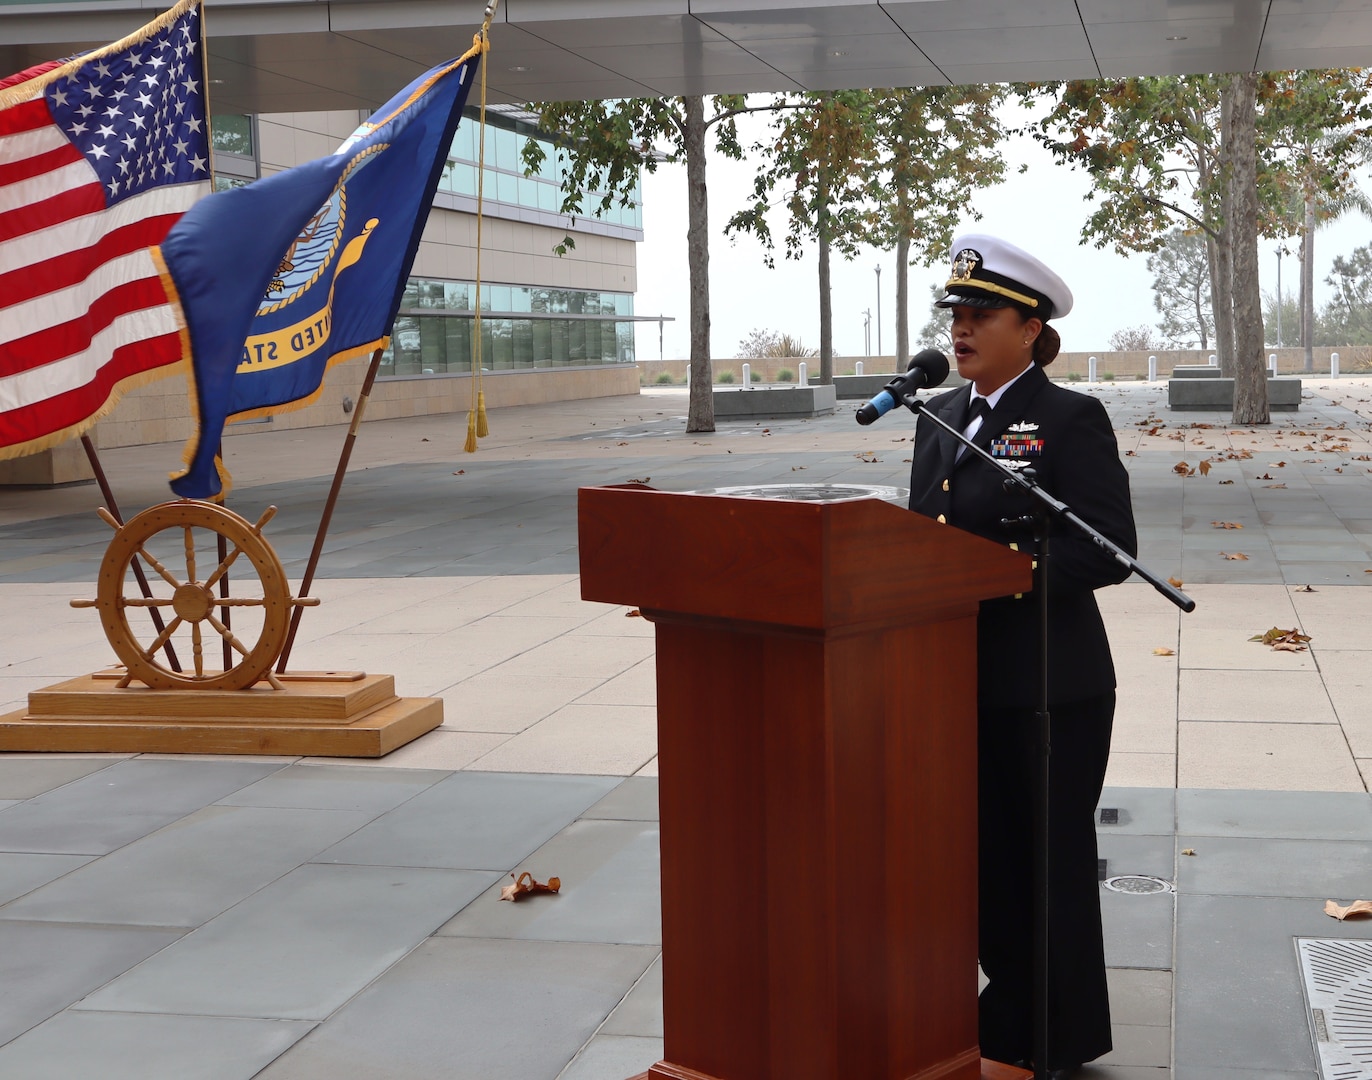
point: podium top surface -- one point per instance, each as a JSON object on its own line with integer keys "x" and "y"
{"x": 812, "y": 493}
{"x": 806, "y": 564}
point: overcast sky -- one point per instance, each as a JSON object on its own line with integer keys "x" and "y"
{"x": 1041, "y": 210}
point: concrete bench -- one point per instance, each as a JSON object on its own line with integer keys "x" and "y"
{"x": 866, "y": 387}
{"x": 1217, "y": 395}
{"x": 1196, "y": 371}
{"x": 773, "y": 402}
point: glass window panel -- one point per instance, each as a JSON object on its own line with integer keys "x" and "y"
{"x": 507, "y": 151}
{"x": 459, "y": 343}
{"x": 502, "y": 344}
{"x": 223, "y": 183}
{"x": 528, "y": 191}
{"x": 609, "y": 343}
{"x": 464, "y": 139}
{"x": 500, "y": 298}
{"x": 576, "y": 301}
{"x": 576, "y": 341}
{"x": 406, "y": 341}
{"x": 457, "y": 296}
{"x": 560, "y": 335}
{"x": 557, "y": 301}
{"x": 464, "y": 179}
{"x": 542, "y": 341}
{"x": 432, "y": 346}
{"x": 506, "y": 188}
{"x": 624, "y": 304}
{"x": 625, "y": 333}
{"x": 233, "y": 134}
{"x": 430, "y": 293}
{"x": 592, "y": 342}
{"x": 549, "y": 198}
{"x": 521, "y": 298}
{"x": 490, "y": 146}
{"x": 410, "y": 296}
{"x": 523, "y": 343}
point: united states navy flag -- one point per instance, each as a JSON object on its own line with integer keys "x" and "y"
{"x": 281, "y": 279}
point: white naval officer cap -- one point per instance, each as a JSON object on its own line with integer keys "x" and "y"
{"x": 990, "y": 272}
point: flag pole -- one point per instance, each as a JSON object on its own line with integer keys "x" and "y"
{"x": 329, "y": 503}
{"x": 113, "y": 507}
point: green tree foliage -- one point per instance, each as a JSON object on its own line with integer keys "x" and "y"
{"x": 813, "y": 163}
{"x": 602, "y": 146}
{"x": 1347, "y": 318}
{"x": 1212, "y": 153}
{"x": 937, "y": 331}
{"x": 1181, "y": 290}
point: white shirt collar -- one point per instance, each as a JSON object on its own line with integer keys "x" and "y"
{"x": 993, "y": 398}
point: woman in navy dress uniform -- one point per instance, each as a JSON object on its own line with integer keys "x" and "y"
{"x": 1001, "y": 299}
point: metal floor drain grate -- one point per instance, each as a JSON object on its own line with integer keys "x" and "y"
{"x": 1337, "y": 975}
{"x": 1138, "y": 884}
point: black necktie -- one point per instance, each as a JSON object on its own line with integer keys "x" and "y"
{"x": 979, "y": 407}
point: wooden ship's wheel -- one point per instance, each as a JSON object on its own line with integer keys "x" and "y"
{"x": 177, "y": 541}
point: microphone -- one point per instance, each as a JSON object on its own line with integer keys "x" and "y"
{"x": 927, "y": 368}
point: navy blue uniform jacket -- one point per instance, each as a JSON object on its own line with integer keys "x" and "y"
{"x": 1068, "y": 439}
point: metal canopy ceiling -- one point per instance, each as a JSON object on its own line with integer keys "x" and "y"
{"x": 301, "y": 55}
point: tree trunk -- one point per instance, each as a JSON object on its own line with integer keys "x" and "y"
{"x": 1250, "y": 374}
{"x": 1221, "y": 293}
{"x": 1217, "y": 256}
{"x": 1308, "y": 283}
{"x": 902, "y": 303}
{"x": 1200, "y": 317}
{"x": 700, "y": 412}
{"x": 826, "y": 307}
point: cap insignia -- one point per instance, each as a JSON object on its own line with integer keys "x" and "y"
{"x": 965, "y": 262}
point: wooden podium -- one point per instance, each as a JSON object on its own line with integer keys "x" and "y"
{"x": 816, "y": 696}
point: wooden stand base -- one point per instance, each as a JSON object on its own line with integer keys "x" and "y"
{"x": 316, "y": 714}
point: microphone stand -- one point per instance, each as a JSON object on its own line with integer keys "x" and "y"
{"x": 1047, "y": 510}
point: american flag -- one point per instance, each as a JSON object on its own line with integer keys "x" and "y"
{"x": 99, "y": 156}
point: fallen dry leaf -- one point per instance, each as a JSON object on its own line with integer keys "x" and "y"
{"x": 1264, "y": 476}
{"x": 1307, "y": 588}
{"x": 1188, "y": 851}
{"x": 1175, "y": 582}
{"x": 525, "y": 884}
{"x": 459, "y": 472}
{"x": 1161, "y": 651}
{"x": 633, "y": 613}
{"x": 1275, "y": 487}
{"x": 1204, "y": 467}
{"x": 799, "y": 468}
{"x": 1182, "y": 469}
{"x": 1226, "y": 525}
{"x": 1238, "y": 556}
{"x": 1223, "y": 482}
{"x": 1286, "y": 646}
{"x": 643, "y": 481}
{"x": 1358, "y": 909}
{"x": 1277, "y": 636}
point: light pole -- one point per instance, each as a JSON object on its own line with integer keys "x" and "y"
{"x": 867, "y": 332}
{"x": 878, "y": 309}
{"x": 1279, "y": 296}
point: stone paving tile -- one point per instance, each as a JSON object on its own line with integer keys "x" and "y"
{"x": 336, "y": 787}
{"x": 617, "y": 740}
{"x": 129, "y": 1046}
{"x": 1296, "y": 697}
{"x": 1270, "y": 756}
{"x": 22, "y": 873}
{"x": 471, "y": 1009}
{"x": 1289, "y": 815}
{"x": 510, "y": 703}
{"x": 613, "y": 1056}
{"x": 297, "y": 949}
{"x": 46, "y": 967}
{"x": 202, "y": 864}
{"x": 1243, "y": 866}
{"x": 23, "y": 778}
{"x": 640, "y": 1013}
{"x": 110, "y": 808}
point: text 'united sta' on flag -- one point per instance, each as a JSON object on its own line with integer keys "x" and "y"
{"x": 99, "y": 157}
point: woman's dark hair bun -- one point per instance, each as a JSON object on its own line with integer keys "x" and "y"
{"x": 1046, "y": 346}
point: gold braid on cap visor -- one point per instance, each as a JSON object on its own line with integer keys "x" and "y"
{"x": 989, "y": 286}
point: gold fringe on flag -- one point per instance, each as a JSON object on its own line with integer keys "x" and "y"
{"x": 470, "y": 444}
{"x": 482, "y": 430}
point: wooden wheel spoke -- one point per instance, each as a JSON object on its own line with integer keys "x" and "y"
{"x": 240, "y": 601}
{"x": 198, "y": 649}
{"x": 162, "y": 638}
{"x": 162, "y": 571}
{"x": 144, "y": 601}
{"x": 226, "y": 634}
{"x": 190, "y": 553}
{"x": 223, "y": 567}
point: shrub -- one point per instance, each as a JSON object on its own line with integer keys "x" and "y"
{"x": 665, "y": 379}
{"x": 724, "y": 377}
{"x": 785, "y": 375}
{"x": 1107, "y": 376}
{"x": 1074, "y": 376}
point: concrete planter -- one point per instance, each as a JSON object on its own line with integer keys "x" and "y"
{"x": 736, "y": 403}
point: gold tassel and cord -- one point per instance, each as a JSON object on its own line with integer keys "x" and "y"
{"x": 477, "y": 428}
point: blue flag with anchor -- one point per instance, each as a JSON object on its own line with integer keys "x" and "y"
{"x": 281, "y": 279}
